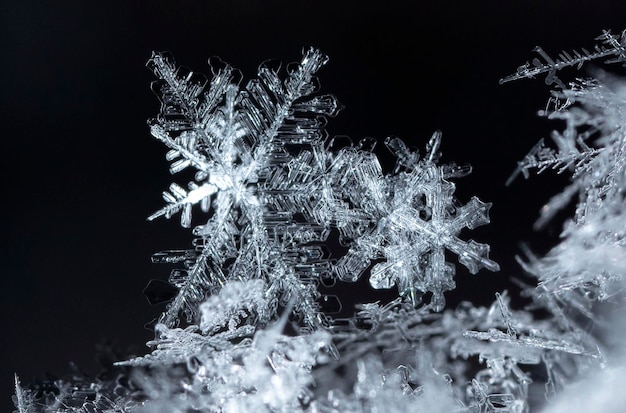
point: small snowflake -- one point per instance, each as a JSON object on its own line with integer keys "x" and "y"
{"x": 418, "y": 219}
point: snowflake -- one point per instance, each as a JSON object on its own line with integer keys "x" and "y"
{"x": 239, "y": 142}
{"x": 416, "y": 220}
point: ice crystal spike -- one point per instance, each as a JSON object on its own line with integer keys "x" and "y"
{"x": 612, "y": 48}
{"x": 22, "y": 399}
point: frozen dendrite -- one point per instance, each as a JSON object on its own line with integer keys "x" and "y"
{"x": 238, "y": 369}
{"x": 241, "y": 143}
{"x": 585, "y": 272}
{"x": 591, "y": 146}
{"x": 274, "y": 189}
{"x": 414, "y": 219}
{"x": 586, "y": 265}
{"x": 247, "y": 331}
{"x": 511, "y": 344}
{"x": 612, "y": 48}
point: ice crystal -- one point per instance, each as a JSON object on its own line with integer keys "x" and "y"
{"x": 23, "y": 399}
{"x": 591, "y": 145}
{"x": 238, "y": 369}
{"x": 612, "y": 48}
{"x": 274, "y": 189}
{"x": 239, "y": 141}
{"x": 247, "y": 330}
{"x": 585, "y": 266}
{"x": 415, "y": 219}
{"x": 509, "y": 343}
{"x": 273, "y": 192}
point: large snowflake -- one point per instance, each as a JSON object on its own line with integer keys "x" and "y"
{"x": 240, "y": 143}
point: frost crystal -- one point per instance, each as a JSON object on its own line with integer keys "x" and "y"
{"x": 249, "y": 331}
{"x": 240, "y": 142}
{"x": 612, "y": 48}
{"x": 586, "y": 265}
{"x": 584, "y": 274}
{"x": 273, "y": 192}
{"x": 23, "y": 399}
{"x": 415, "y": 219}
{"x": 591, "y": 146}
{"x": 274, "y": 189}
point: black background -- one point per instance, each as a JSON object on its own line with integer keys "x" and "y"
{"x": 80, "y": 171}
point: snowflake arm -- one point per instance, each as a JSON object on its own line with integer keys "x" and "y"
{"x": 612, "y": 47}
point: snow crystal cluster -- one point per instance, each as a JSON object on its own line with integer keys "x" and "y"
{"x": 269, "y": 193}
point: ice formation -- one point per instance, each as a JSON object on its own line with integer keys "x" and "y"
{"x": 588, "y": 264}
{"x": 413, "y": 219}
{"x": 247, "y": 330}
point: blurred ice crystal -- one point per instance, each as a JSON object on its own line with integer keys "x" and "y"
{"x": 587, "y": 265}
{"x": 237, "y": 369}
{"x": 590, "y": 147}
{"x": 583, "y": 274}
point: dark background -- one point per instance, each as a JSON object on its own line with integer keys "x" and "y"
{"x": 80, "y": 171}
